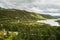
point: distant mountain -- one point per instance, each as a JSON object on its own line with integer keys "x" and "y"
{"x": 57, "y": 16}
{"x": 21, "y": 15}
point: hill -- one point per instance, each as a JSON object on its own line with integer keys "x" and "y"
{"x": 48, "y": 16}
{"x": 57, "y": 16}
{"x": 58, "y": 21}
{"x": 22, "y": 25}
{"x": 21, "y": 15}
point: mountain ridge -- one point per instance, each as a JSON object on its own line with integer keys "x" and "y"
{"x": 21, "y": 14}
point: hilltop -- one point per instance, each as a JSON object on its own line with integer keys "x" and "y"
{"x": 21, "y": 15}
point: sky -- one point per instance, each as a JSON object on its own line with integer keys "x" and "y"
{"x": 51, "y": 7}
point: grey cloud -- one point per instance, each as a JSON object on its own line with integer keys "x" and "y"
{"x": 30, "y": 5}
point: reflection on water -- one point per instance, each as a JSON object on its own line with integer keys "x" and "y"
{"x": 52, "y": 22}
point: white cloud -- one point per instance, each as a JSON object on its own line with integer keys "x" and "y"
{"x": 56, "y": 2}
{"x": 52, "y": 10}
{"x": 56, "y": 14}
{"x": 32, "y": 5}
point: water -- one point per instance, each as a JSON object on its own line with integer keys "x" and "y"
{"x": 52, "y": 22}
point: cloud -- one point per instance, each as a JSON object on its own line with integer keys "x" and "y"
{"x": 40, "y": 6}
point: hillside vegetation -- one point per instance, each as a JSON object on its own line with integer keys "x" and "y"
{"x": 22, "y": 25}
{"x": 19, "y": 14}
{"x": 58, "y": 21}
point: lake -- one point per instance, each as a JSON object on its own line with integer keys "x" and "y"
{"x": 52, "y": 22}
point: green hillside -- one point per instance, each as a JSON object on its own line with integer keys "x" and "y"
{"x": 48, "y": 16}
{"x": 19, "y": 14}
{"x": 22, "y": 25}
{"x": 58, "y": 21}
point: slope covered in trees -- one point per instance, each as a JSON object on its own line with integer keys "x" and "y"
{"x": 58, "y": 21}
{"x": 21, "y": 14}
{"x": 22, "y": 25}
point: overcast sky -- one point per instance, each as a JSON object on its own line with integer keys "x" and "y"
{"x": 51, "y": 7}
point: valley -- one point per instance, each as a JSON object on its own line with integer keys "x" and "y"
{"x": 22, "y": 25}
